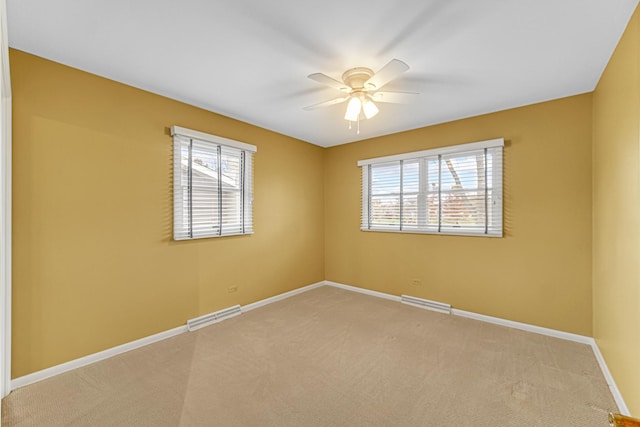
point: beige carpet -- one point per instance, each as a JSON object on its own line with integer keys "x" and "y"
{"x": 330, "y": 357}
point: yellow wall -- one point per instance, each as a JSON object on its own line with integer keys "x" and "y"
{"x": 616, "y": 214}
{"x": 93, "y": 259}
{"x": 539, "y": 273}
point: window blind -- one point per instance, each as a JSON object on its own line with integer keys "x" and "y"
{"x": 213, "y": 187}
{"x": 451, "y": 190}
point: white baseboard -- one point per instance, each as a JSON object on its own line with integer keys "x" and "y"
{"x": 622, "y": 407}
{"x": 83, "y": 361}
{"x": 92, "y": 358}
{"x": 362, "y": 291}
{"x": 524, "y": 327}
{"x": 279, "y": 297}
{"x": 496, "y": 320}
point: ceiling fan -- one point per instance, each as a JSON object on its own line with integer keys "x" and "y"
{"x": 361, "y": 87}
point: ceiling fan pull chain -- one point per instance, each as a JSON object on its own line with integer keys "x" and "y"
{"x": 358, "y": 125}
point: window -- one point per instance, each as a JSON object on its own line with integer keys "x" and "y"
{"x": 212, "y": 185}
{"x": 450, "y": 190}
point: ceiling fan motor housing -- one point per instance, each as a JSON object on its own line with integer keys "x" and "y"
{"x": 355, "y": 77}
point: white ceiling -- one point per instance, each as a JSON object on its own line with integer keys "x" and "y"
{"x": 249, "y": 59}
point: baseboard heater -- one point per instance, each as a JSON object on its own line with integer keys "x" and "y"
{"x": 425, "y": 303}
{"x": 211, "y": 318}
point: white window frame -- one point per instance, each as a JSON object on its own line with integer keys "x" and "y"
{"x": 180, "y": 135}
{"x": 421, "y": 157}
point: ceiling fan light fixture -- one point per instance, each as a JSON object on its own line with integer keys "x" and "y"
{"x": 361, "y": 87}
{"x": 353, "y": 109}
{"x": 369, "y": 108}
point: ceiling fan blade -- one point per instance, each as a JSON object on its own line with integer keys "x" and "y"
{"x": 393, "y": 97}
{"x": 393, "y": 69}
{"x": 326, "y": 103}
{"x": 329, "y": 81}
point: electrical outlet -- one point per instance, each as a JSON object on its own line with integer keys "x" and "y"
{"x": 232, "y": 288}
{"x": 416, "y": 282}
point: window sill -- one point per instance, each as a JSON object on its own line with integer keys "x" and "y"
{"x": 447, "y": 233}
